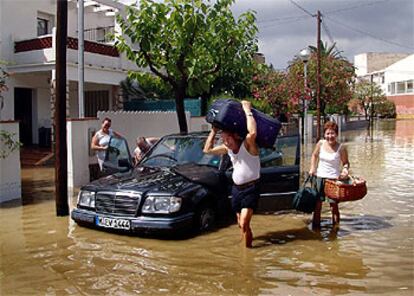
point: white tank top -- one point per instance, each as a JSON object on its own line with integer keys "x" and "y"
{"x": 246, "y": 167}
{"x": 329, "y": 163}
{"x": 103, "y": 140}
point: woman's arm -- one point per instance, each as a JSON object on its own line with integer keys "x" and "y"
{"x": 95, "y": 143}
{"x": 209, "y": 145}
{"x": 116, "y": 134}
{"x": 345, "y": 162}
{"x": 251, "y": 129}
{"x": 315, "y": 159}
{"x": 152, "y": 140}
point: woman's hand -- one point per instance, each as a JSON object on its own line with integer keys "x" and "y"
{"x": 247, "y": 105}
{"x": 312, "y": 172}
{"x": 344, "y": 174}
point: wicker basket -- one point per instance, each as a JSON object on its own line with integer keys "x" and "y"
{"x": 343, "y": 191}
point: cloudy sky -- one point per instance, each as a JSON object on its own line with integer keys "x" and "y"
{"x": 357, "y": 26}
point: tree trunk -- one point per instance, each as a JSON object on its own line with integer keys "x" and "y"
{"x": 179, "y": 105}
{"x": 204, "y": 103}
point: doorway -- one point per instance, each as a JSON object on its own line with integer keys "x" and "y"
{"x": 23, "y": 113}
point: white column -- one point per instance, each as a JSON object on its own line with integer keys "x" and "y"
{"x": 81, "y": 62}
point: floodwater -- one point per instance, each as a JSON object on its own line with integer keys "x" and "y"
{"x": 371, "y": 253}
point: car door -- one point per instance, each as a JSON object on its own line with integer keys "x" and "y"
{"x": 280, "y": 172}
{"x": 117, "y": 157}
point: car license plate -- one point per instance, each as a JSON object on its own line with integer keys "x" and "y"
{"x": 113, "y": 223}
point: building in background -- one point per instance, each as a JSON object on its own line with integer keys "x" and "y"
{"x": 27, "y": 45}
{"x": 394, "y": 73}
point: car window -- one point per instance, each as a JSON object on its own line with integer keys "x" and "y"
{"x": 175, "y": 150}
{"x": 117, "y": 150}
{"x": 283, "y": 153}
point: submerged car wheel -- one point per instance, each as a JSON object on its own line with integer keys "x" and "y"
{"x": 205, "y": 218}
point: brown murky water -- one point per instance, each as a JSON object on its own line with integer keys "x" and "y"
{"x": 372, "y": 252}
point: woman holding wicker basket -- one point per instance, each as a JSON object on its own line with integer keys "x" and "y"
{"x": 329, "y": 161}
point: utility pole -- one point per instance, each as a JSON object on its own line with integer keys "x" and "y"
{"x": 318, "y": 80}
{"x": 61, "y": 180}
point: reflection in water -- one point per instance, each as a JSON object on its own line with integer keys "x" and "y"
{"x": 370, "y": 253}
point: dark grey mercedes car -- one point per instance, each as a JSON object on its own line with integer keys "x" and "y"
{"x": 177, "y": 187}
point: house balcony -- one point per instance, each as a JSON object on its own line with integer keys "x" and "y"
{"x": 40, "y": 51}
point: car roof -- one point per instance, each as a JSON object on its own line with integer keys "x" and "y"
{"x": 189, "y": 134}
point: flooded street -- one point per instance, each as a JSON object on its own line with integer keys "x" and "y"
{"x": 372, "y": 252}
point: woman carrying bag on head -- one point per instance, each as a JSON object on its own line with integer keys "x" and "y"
{"x": 327, "y": 159}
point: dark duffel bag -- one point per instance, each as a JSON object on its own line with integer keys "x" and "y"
{"x": 228, "y": 114}
{"x": 306, "y": 197}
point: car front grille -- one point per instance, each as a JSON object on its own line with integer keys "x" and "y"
{"x": 117, "y": 203}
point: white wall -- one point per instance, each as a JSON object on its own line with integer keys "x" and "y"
{"x": 7, "y": 113}
{"x": 361, "y": 64}
{"x": 199, "y": 123}
{"x": 91, "y": 20}
{"x": 147, "y": 124}
{"x": 10, "y": 174}
{"x": 130, "y": 124}
{"x": 78, "y": 144}
{"x": 400, "y": 71}
{"x": 19, "y": 21}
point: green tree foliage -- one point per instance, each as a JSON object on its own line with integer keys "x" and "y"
{"x": 8, "y": 143}
{"x": 131, "y": 90}
{"x": 145, "y": 86}
{"x": 370, "y": 98}
{"x": 337, "y": 78}
{"x": 272, "y": 92}
{"x": 188, "y": 43}
{"x": 284, "y": 91}
{"x": 386, "y": 109}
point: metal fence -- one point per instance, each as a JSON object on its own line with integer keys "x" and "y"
{"x": 99, "y": 34}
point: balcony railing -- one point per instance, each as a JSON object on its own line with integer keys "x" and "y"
{"x": 72, "y": 43}
{"x": 100, "y": 34}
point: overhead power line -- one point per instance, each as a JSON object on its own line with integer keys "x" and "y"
{"x": 357, "y": 6}
{"x": 303, "y": 9}
{"x": 283, "y": 19}
{"x": 325, "y": 27}
{"x": 305, "y": 17}
{"x": 367, "y": 34}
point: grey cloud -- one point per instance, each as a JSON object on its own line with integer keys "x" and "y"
{"x": 292, "y": 29}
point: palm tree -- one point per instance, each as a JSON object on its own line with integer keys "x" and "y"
{"x": 326, "y": 51}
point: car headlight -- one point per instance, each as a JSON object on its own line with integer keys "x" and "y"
{"x": 161, "y": 204}
{"x": 86, "y": 199}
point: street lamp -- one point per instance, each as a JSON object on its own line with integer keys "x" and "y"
{"x": 304, "y": 55}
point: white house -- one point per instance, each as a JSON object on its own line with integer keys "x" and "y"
{"x": 394, "y": 73}
{"x": 399, "y": 78}
{"x": 27, "y": 44}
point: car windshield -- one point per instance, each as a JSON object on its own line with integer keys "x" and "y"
{"x": 173, "y": 150}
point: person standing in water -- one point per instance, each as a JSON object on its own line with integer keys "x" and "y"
{"x": 244, "y": 155}
{"x": 326, "y": 161}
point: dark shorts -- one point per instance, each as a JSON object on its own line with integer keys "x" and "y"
{"x": 320, "y": 188}
{"x": 245, "y": 197}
